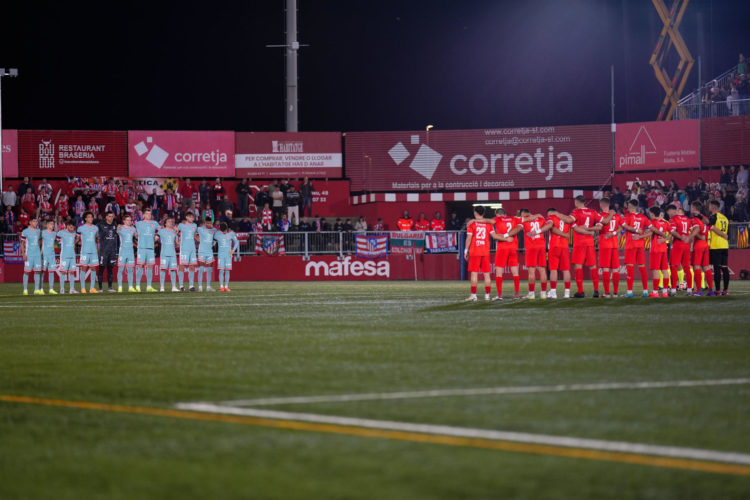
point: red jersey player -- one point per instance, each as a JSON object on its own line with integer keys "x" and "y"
{"x": 477, "y": 251}
{"x": 506, "y": 251}
{"x": 534, "y": 228}
{"x": 609, "y": 249}
{"x": 587, "y": 223}
{"x": 559, "y": 252}
{"x": 680, "y": 257}
{"x": 700, "y": 248}
{"x": 657, "y": 254}
{"x": 635, "y": 246}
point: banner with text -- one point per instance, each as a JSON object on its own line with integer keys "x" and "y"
{"x": 288, "y": 154}
{"x": 180, "y": 154}
{"x": 657, "y": 145}
{"x": 10, "y": 154}
{"x": 67, "y": 153}
{"x": 493, "y": 159}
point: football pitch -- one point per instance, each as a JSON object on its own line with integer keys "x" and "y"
{"x": 378, "y": 390}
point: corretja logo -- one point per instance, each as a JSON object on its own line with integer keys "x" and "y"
{"x": 157, "y": 156}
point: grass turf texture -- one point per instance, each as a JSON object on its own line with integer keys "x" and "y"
{"x": 293, "y": 339}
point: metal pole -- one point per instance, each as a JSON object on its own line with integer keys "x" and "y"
{"x": 700, "y": 116}
{"x": 612, "y": 104}
{"x": 292, "y": 46}
{"x": 1, "y": 133}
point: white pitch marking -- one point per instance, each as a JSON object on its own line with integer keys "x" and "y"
{"x": 436, "y": 393}
{"x": 466, "y": 432}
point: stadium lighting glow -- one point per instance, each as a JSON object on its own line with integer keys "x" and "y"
{"x": 428, "y": 127}
{"x": 12, "y": 73}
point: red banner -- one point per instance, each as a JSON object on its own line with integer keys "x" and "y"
{"x": 494, "y": 159}
{"x": 63, "y": 153}
{"x": 725, "y": 141}
{"x": 656, "y": 145}
{"x": 10, "y": 154}
{"x": 294, "y": 154}
{"x": 180, "y": 154}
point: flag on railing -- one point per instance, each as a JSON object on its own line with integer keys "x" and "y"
{"x": 742, "y": 236}
{"x": 441, "y": 242}
{"x": 12, "y": 252}
{"x": 268, "y": 244}
{"x": 372, "y": 247}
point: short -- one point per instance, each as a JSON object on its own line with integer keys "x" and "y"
{"x": 536, "y": 257}
{"x": 189, "y": 258}
{"x": 67, "y": 263}
{"x": 206, "y": 258}
{"x": 168, "y": 262}
{"x": 225, "y": 262}
{"x": 609, "y": 258}
{"x": 126, "y": 260}
{"x": 559, "y": 259}
{"x": 719, "y": 257}
{"x": 635, "y": 256}
{"x": 506, "y": 257}
{"x": 32, "y": 263}
{"x": 700, "y": 256}
{"x": 584, "y": 256}
{"x": 657, "y": 261}
{"x": 49, "y": 263}
{"x": 680, "y": 255}
{"x": 108, "y": 259}
{"x": 146, "y": 256}
{"x": 89, "y": 259}
{"x": 479, "y": 263}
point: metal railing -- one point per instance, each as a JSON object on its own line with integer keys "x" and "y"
{"x": 721, "y": 81}
{"x": 730, "y": 107}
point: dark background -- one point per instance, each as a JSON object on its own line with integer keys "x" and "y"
{"x": 385, "y": 65}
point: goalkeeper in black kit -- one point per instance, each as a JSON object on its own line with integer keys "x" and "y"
{"x": 108, "y": 243}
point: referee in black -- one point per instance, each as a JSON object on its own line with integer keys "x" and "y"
{"x": 107, "y": 249}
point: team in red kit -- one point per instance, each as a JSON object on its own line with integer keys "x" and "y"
{"x": 593, "y": 232}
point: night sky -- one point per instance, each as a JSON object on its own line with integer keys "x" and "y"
{"x": 386, "y": 65}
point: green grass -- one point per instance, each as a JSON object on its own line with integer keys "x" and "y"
{"x": 296, "y": 339}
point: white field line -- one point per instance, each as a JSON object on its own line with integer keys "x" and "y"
{"x": 466, "y": 432}
{"x": 484, "y": 391}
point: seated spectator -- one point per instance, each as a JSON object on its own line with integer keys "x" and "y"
{"x": 266, "y": 217}
{"x": 305, "y": 226}
{"x": 245, "y": 226}
{"x": 284, "y": 224}
{"x": 361, "y": 225}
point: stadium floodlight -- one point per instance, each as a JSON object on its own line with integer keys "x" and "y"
{"x": 12, "y": 73}
{"x": 429, "y": 127}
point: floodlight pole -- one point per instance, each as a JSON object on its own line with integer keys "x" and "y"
{"x": 14, "y": 73}
{"x": 292, "y": 47}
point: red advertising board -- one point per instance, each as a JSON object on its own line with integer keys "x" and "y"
{"x": 725, "y": 141}
{"x": 656, "y": 145}
{"x": 495, "y": 159}
{"x": 288, "y": 154}
{"x": 10, "y": 154}
{"x": 180, "y": 154}
{"x": 63, "y": 153}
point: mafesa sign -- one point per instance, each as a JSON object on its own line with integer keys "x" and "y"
{"x": 348, "y": 267}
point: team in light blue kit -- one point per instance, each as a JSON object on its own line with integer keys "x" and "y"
{"x": 126, "y": 256}
{"x": 89, "y": 257}
{"x": 228, "y": 244}
{"x": 67, "y": 238}
{"x": 188, "y": 257}
{"x": 206, "y": 253}
{"x": 146, "y": 231}
{"x": 49, "y": 261}
{"x": 32, "y": 256}
{"x": 168, "y": 254}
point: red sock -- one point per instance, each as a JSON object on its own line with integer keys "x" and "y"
{"x": 499, "y": 284}
{"x": 531, "y": 287}
{"x": 689, "y": 277}
{"x": 473, "y": 290}
{"x": 710, "y": 279}
{"x": 553, "y": 285}
{"x": 698, "y": 276}
{"x": 544, "y": 286}
{"x": 487, "y": 289}
{"x": 579, "y": 280}
{"x": 629, "y": 278}
{"x": 655, "y": 284}
{"x": 673, "y": 275}
{"x": 605, "y": 278}
{"x": 664, "y": 278}
{"x": 644, "y": 278}
{"x": 516, "y": 283}
{"x": 616, "y": 281}
{"x": 595, "y": 278}
{"x": 567, "y": 285}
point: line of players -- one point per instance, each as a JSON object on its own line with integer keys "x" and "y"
{"x": 689, "y": 238}
{"x": 99, "y": 247}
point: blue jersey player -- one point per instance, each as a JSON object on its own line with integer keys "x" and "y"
{"x": 89, "y": 257}
{"x": 228, "y": 245}
{"x": 188, "y": 256}
{"x": 49, "y": 261}
{"x": 126, "y": 255}
{"x": 168, "y": 255}
{"x": 67, "y": 238}
{"x": 206, "y": 253}
{"x": 32, "y": 256}
{"x": 146, "y": 231}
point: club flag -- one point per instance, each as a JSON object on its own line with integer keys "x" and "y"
{"x": 648, "y": 242}
{"x": 621, "y": 242}
{"x": 441, "y": 242}
{"x": 12, "y": 252}
{"x": 372, "y": 247}
{"x": 268, "y": 244}
{"x": 742, "y": 236}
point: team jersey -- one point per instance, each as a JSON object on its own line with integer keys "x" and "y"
{"x": 226, "y": 241}
{"x": 67, "y": 244}
{"x": 555, "y": 240}
{"x": 681, "y": 225}
{"x": 127, "y": 233}
{"x": 610, "y": 229}
{"x": 107, "y": 237}
{"x": 88, "y": 238}
{"x": 503, "y": 225}
{"x": 585, "y": 218}
{"x": 664, "y": 227}
{"x": 722, "y": 224}
{"x": 31, "y": 237}
{"x": 206, "y": 236}
{"x": 639, "y": 222}
{"x": 187, "y": 237}
{"x": 405, "y": 224}
{"x": 702, "y": 231}
{"x": 480, "y": 241}
{"x": 534, "y": 226}
{"x": 168, "y": 238}
{"x": 48, "y": 243}
{"x": 146, "y": 230}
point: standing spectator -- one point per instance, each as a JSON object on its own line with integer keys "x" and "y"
{"x": 292, "y": 204}
{"x": 23, "y": 187}
{"x": 45, "y": 211}
{"x": 10, "y": 220}
{"x": 306, "y": 190}
{"x": 317, "y": 224}
{"x": 261, "y": 198}
{"x": 208, "y": 213}
{"x": 10, "y": 198}
{"x": 266, "y": 217}
{"x": 93, "y": 207}
{"x": 739, "y": 212}
{"x": 243, "y": 198}
{"x": 204, "y": 194}
{"x": 742, "y": 177}
{"x": 23, "y": 220}
{"x": 277, "y": 198}
{"x": 617, "y": 197}
{"x": 187, "y": 191}
{"x": 218, "y": 192}
{"x": 121, "y": 198}
{"x": 454, "y": 223}
{"x": 405, "y": 223}
{"x": 79, "y": 207}
{"x": 130, "y": 208}
{"x": 284, "y": 186}
{"x": 44, "y": 189}
{"x": 743, "y": 92}
{"x": 422, "y": 224}
{"x": 225, "y": 205}
{"x": 725, "y": 179}
{"x": 305, "y": 225}
{"x": 742, "y": 65}
{"x": 361, "y": 225}
{"x": 169, "y": 202}
{"x": 28, "y": 201}
{"x": 110, "y": 192}
{"x": 437, "y": 224}
{"x": 379, "y": 225}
